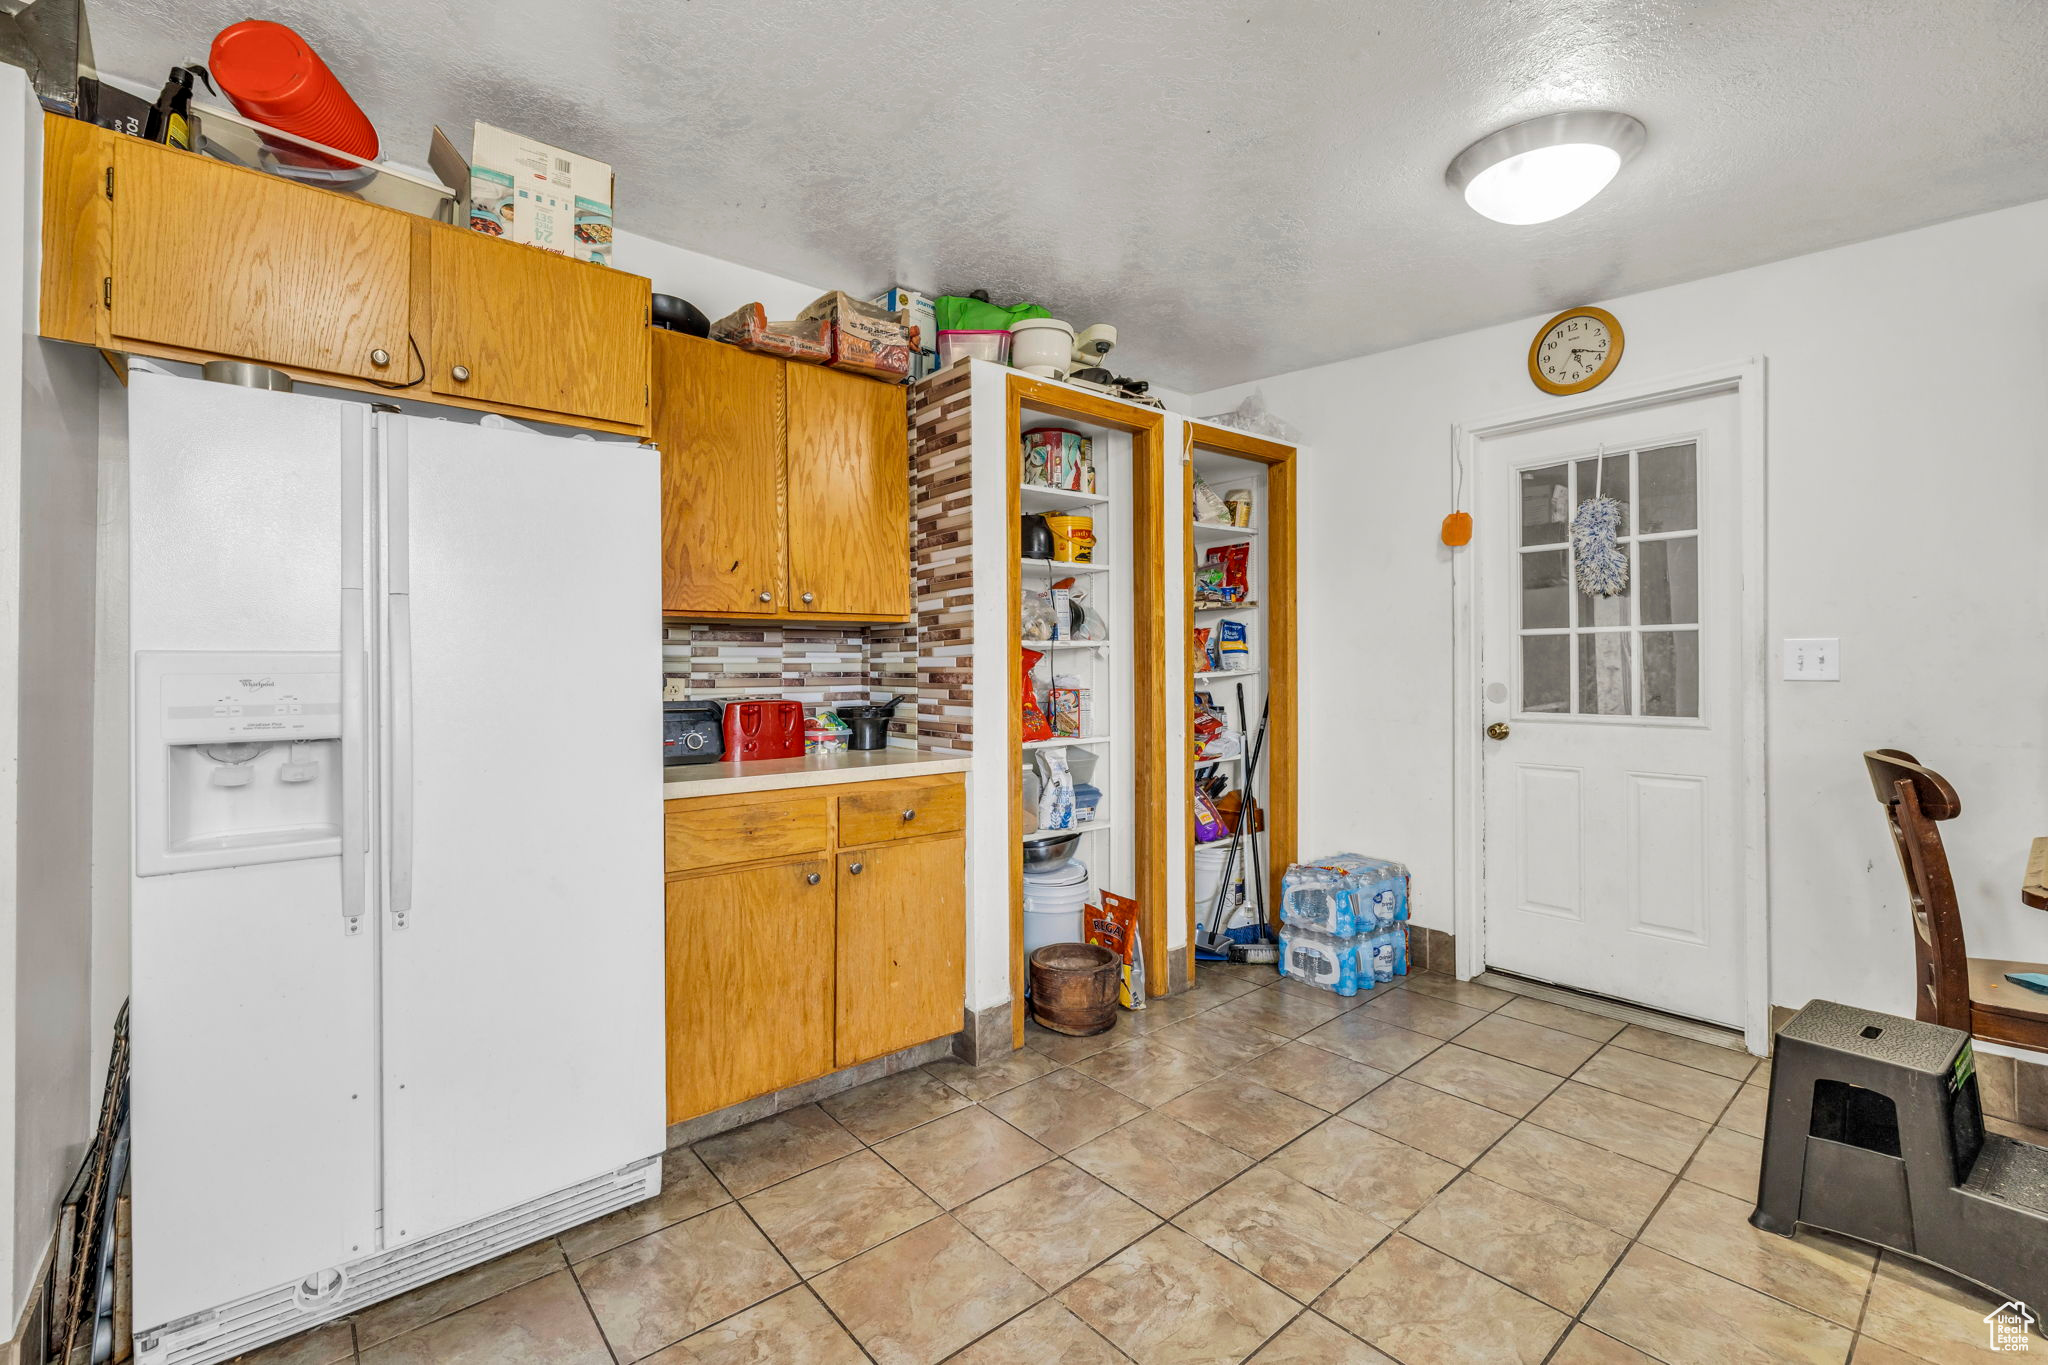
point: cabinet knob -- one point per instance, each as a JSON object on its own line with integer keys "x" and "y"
{"x": 812, "y": 880}
{"x": 809, "y": 598}
{"x": 910, "y": 814}
{"x": 855, "y": 868}
{"x": 767, "y": 597}
{"x": 380, "y": 357}
{"x": 459, "y": 373}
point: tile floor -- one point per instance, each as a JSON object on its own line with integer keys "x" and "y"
{"x": 1434, "y": 1173}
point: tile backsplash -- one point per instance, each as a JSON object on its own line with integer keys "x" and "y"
{"x": 822, "y": 665}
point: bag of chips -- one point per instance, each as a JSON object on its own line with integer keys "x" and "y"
{"x": 1115, "y": 926}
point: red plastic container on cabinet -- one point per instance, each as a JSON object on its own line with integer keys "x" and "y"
{"x": 274, "y": 76}
{"x": 763, "y": 729}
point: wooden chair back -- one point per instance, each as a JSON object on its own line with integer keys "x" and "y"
{"x": 1915, "y": 798}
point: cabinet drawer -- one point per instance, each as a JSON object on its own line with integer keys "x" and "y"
{"x": 902, "y": 810}
{"x": 717, "y": 831}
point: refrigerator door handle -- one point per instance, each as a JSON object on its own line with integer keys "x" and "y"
{"x": 398, "y": 616}
{"x": 400, "y": 730}
{"x": 355, "y": 679}
{"x": 355, "y": 765}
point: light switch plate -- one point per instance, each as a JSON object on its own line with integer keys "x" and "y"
{"x": 1813, "y": 660}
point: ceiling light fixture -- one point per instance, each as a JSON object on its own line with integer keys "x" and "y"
{"x": 1543, "y": 169}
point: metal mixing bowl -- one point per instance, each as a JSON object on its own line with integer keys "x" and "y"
{"x": 1047, "y": 854}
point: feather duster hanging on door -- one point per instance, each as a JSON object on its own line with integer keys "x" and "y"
{"x": 1599, "y": 564}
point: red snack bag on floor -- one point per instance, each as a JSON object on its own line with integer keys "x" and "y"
{"x": 1115, "y": 926}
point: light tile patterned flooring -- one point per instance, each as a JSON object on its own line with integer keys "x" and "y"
{"x": 1434, "y": 1173}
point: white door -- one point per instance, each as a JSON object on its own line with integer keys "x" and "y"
{"x": 254, "y": 1026}
{"x": 1612, "y": 770}
{"x": 523, "y": 930}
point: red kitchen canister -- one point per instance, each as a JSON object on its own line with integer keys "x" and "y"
{"x": 275, "y": 77}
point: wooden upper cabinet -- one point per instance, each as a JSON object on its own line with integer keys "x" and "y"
{"x": 523, "y": 327}
{"x": 212, "y": 258}
{"x": 902, "y": 945}
{"x": 849, "y": 495}
{"x": 718, "y": 418}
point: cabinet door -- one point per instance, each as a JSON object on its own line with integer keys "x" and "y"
{"x": 849, "y": 495}
{"x": 718, "y": 416}
{"x": 251, "y": 267}
{"x": 523, "y": 327}
{"x": 749, "y": 984}
{"x": 902, "y": 946}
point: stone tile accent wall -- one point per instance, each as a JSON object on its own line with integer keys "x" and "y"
{"x": 721, "y": 660}
{"x": 942, "y": 560}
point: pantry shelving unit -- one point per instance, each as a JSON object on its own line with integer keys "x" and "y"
{"x": 1125, "y": 844}
{"x": 1226, "y": 459}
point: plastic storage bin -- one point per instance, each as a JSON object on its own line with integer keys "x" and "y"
{"x": 953, "y": 345}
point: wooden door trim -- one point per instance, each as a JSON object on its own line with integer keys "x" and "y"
{"x": 1278, "y": 596}
{"x": 1148, "y": 749}
{"x": 1746, "y": 380}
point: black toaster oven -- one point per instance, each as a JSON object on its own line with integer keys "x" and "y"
{"x": 692, "y": 732}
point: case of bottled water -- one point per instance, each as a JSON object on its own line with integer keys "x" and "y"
{"x": 1343, "y": 922}
{"x": 1345, "y": 895}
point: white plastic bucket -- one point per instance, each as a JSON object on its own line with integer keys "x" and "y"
{"x": 1209, "y": 861}
{"x": 1051, "y": 926}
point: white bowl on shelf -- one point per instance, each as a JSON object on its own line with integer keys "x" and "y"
{"x": 1041, "y": 346}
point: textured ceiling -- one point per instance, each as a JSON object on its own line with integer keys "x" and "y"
{"x": 1243, "y": 189}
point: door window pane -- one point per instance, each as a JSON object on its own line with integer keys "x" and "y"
{"x": 1671, "y": 581}
{"x": 1671, "y": 673}
{"x": 1546, "y": 505}
{"x": 1612, "y": 482}
{"x": 1669, "y": 497}
{"x": 1595, "y": 610}
{"x": 1546, "y": 673}
{"x": 1604, "y": 674}
{"x": 1546, "y": 597}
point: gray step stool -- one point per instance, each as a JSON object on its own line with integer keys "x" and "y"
{"x": 1876, "y": 1132}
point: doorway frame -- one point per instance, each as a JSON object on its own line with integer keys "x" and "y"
{"x": 1745, "y": 379}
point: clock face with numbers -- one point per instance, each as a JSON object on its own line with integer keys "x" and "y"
{"x": 1575, "y": 350}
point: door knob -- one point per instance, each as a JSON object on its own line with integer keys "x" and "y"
{"x": 459, "y": 373}
{"x": 813, "y": 879}
{"x": 380, "y": 357}
{"x": 809, "y": 598}
{"x": 855, "y": 868}
{"x": 767, "y": 597}
{"x": 1497, "y": 730}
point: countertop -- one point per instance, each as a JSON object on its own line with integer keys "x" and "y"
{"x": 817, "y": 770}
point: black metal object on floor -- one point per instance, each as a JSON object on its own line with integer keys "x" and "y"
{"x": 1876, "y": 1131}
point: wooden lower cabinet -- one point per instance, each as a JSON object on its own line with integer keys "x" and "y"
{"x": 750, "y": 964}
{"x": 902, "y": 945}
{"x": 809, "y": 930}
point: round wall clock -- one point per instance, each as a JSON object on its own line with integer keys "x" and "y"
{"x": 1575, "y": 350}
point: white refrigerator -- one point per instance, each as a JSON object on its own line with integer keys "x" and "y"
{"x": 397, "y": 926}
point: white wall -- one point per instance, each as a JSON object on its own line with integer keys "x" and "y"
{"x": 48, "y": 439}
{"x": 1908, "y": 478}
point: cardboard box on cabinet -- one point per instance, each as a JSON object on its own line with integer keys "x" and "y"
{"x": 524, "y": 190}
